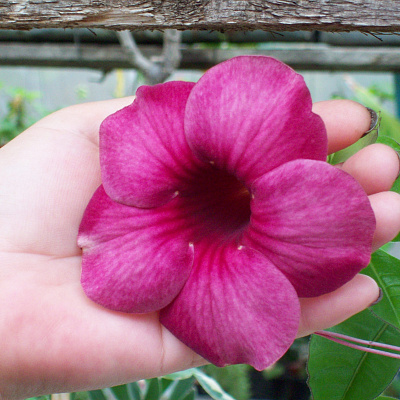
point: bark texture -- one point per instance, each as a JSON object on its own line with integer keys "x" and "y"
{"x": 272, "y": 15}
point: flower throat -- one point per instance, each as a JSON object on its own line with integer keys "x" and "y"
{"x": 216, "y": 202}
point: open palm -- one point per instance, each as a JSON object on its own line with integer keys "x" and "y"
{"x": 53, "y": 338}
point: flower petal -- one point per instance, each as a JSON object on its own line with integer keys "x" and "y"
{"x": 249, "y": 115}
{"x": 143, "y": 150}
{"x": 314, "y": 222}
{"x": 134, "y": 260}
{"x": 235, "y": 308}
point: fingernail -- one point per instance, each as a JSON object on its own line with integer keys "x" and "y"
{"x": 374, "y": 121}
{"x": 380, "y": 297}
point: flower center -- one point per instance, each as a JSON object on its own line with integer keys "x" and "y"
{"x": 216, "y": 202}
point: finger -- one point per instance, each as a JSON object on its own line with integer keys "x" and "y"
{"x": 333, "y": 308}
{"x": 375, "y": 167}
{"x": 386, "y": 206}
{"x": 345, "y": 121}
{"x": 84, "y": 119}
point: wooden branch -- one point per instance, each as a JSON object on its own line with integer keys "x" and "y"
{"x": 171, "y": 55}
{"x": 129, "y": 46}
{"x": 159, "y": 70}
{"x": 272, "y": 15}
{"x": 308, "y": 56}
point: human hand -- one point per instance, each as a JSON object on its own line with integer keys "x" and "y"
{"x": 53, "y": 338}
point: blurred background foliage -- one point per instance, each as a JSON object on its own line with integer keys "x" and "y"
{"x": 21, "y": 112}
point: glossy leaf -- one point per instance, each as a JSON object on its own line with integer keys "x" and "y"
{"x": 385, "y": 270}
{"x": 337, "y": 372}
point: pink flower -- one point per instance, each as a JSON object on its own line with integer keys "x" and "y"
{"x": 218, "y": 209}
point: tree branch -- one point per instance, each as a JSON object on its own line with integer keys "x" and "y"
{"x": 154, "y": 71}
{"x": 171, "y": 55}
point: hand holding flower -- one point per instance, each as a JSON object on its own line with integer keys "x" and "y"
{"x": 218, "y": 209}
{"x": 52, "y": 337}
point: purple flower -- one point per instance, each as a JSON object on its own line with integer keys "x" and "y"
{"x": 218, "y": 210}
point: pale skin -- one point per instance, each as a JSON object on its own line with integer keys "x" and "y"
{"x": 54, "y": 339}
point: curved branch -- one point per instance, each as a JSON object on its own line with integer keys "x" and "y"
{"x": 154, "y": 72}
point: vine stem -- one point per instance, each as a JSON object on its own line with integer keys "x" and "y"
{"x": 350, "y": 341}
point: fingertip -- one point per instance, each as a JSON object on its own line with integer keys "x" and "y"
{"x": 368, "y": 285}
{"x": 386, "y": 206}
{"x": 325, "y": 311}
{"x": 360, "y": 293}
{"x": 345, "y": 121}
{"x": 375, "y": 167}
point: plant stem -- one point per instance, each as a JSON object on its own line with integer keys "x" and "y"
{"x": 347, "y": 341}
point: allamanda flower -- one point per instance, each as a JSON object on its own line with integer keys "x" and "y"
{"x": 218, "y": 209}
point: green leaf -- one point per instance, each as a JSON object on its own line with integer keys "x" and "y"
{"x": 78, "y": 396}
{"x": 121, "y": 392}
{"x": 134, "y": 391}
{"x": 190, "y": 396}
{"x": 234, "y": 379}
{"x": 342, "y": 155}
{"x": 187, "y": 373}
{"x": 182, "y": 388}
{"x": 385, "y": 270}
{"x": 165, "y": 383}
{"x": 337, "y": 372}
{"x": 385, "y": 398}
{"x": 96, "y": 395}
{"x": 390, "y": 125}
{"x": 153, "y": 389}
{"x": 211, "y": 386}
{"x": 46, "y": 397}
{"x": 389, "y": 142}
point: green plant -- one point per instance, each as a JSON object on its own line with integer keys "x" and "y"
{"x": 235, "y": 379}
{"x": 339, "y": 372}
{"x": 178, "y": 386}
{"x": 22, "y": 110}
{"x": 374, "y": 98}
